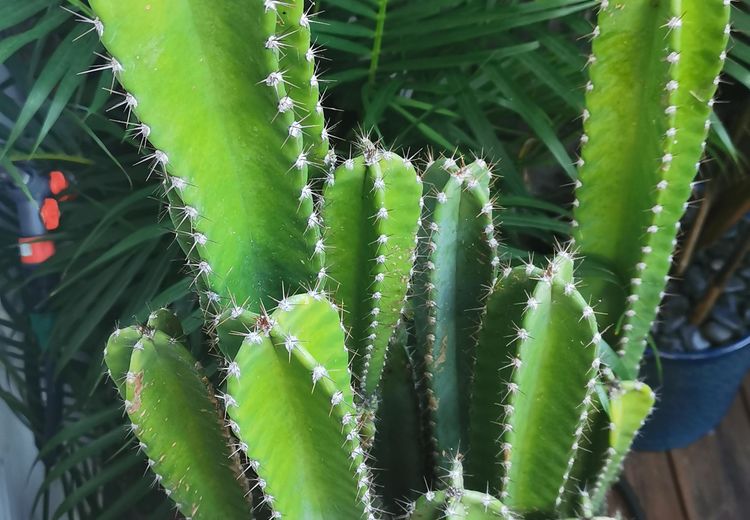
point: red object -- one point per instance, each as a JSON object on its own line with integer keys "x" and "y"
{"x": 34, "y": 251}
{"x": 57, "y": 182}
{"x": 50, "y": 213}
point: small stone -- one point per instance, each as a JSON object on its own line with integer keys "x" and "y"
{"x": 716, "y": 333}
{"x": 717, "y": 264}
{"x": 671, "y": 326}
{"x": 698, "y": 342}
{"x": 726, "y": 314}
{"x": 745, "y": 273}
{"x": 672, "y": 344}
{"x": 735, "y": 285}
{"x": 695, "y": 281}
{"x": 675, "y": 307}
{"x": 746, "y": 317}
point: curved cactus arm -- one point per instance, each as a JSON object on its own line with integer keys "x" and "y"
{"x": 456, "y": 269}
{"x": 551, "y": 394}
{"x": 117, "y": 354}
{"x": 297, "y": 72}
{"x": 700, "y": 42}
{"x": 279, "y": 392}
{"x": 496, "y": 361}
{"x": 313, "y": 322}
{"x": 233, "y": 158}
{"x": 629, "y": 406}
{"x": 175, "y": 417}
{"x": 371, "y": 211}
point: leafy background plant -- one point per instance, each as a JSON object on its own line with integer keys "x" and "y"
{"x": 501, "y": 78}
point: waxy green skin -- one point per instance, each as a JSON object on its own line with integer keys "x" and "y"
{"x": 455, "y": 270}
{"x": 653, "y": 72}
{"x": 701, "y": 42}
{"x": 228, "y": 144}
{"x": 371, "y": 212}
{"x": 492, "y": 372}
{"x": 162, "y": 383}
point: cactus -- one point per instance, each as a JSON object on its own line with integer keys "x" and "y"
{"x": 455, "y": 270}
{"x": 371, "y": 214}
{"x": 250, "y": 170}
{"x": 161, "y": 382}
{"x": 654, "y": 71}
{"x": 307, "y": 288}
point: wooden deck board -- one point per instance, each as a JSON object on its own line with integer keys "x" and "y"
{"x": 708, "y": 480}
{"x": 714, "y": 473}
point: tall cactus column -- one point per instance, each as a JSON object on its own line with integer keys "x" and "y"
{"x": 455, "y": 270}
{"x": 371, "y": 213}
{"x": 539, "y": 340}
{"x": 235, "y": 161}
{"x": 654, "y": 71}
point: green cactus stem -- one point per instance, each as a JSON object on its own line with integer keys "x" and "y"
{"x": 291, "y": 405}
{"x": 234, "y": 158}
{"x": 371, "y": 210}
{"x": 456, "y": 503}
{"x": 399, "y": 448}
{"x": 174, "y": 415}
{"x": 653, "y": 74}
{"x": 455, "y": 270}
{"x": 629, "y": 406}
{"x": 535, "y": 376}
{"x": 165, "y": 321}
{"x": 494, "y": 368}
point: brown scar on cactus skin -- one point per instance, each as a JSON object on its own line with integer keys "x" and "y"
{"x": 137, "y": 389}
{"x": 443, "y": 352}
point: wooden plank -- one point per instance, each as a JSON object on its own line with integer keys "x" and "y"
{"x": 713, "y": 474}
{"x": 617, "y": 505}
{"x": 650, "y": 476}
{"x": 746, "y": 394}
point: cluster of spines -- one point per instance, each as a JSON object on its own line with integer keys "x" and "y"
{"x": 454, "y": 501}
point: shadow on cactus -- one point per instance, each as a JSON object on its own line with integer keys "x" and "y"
{"x": 372, "y": 342}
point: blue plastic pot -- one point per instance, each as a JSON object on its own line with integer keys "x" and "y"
{"x": 694, "y": 392}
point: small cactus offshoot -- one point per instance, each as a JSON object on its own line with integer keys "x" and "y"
{"x": 370, "y": 339}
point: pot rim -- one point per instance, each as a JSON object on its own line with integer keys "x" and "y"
{"x": 708, "y": 354}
